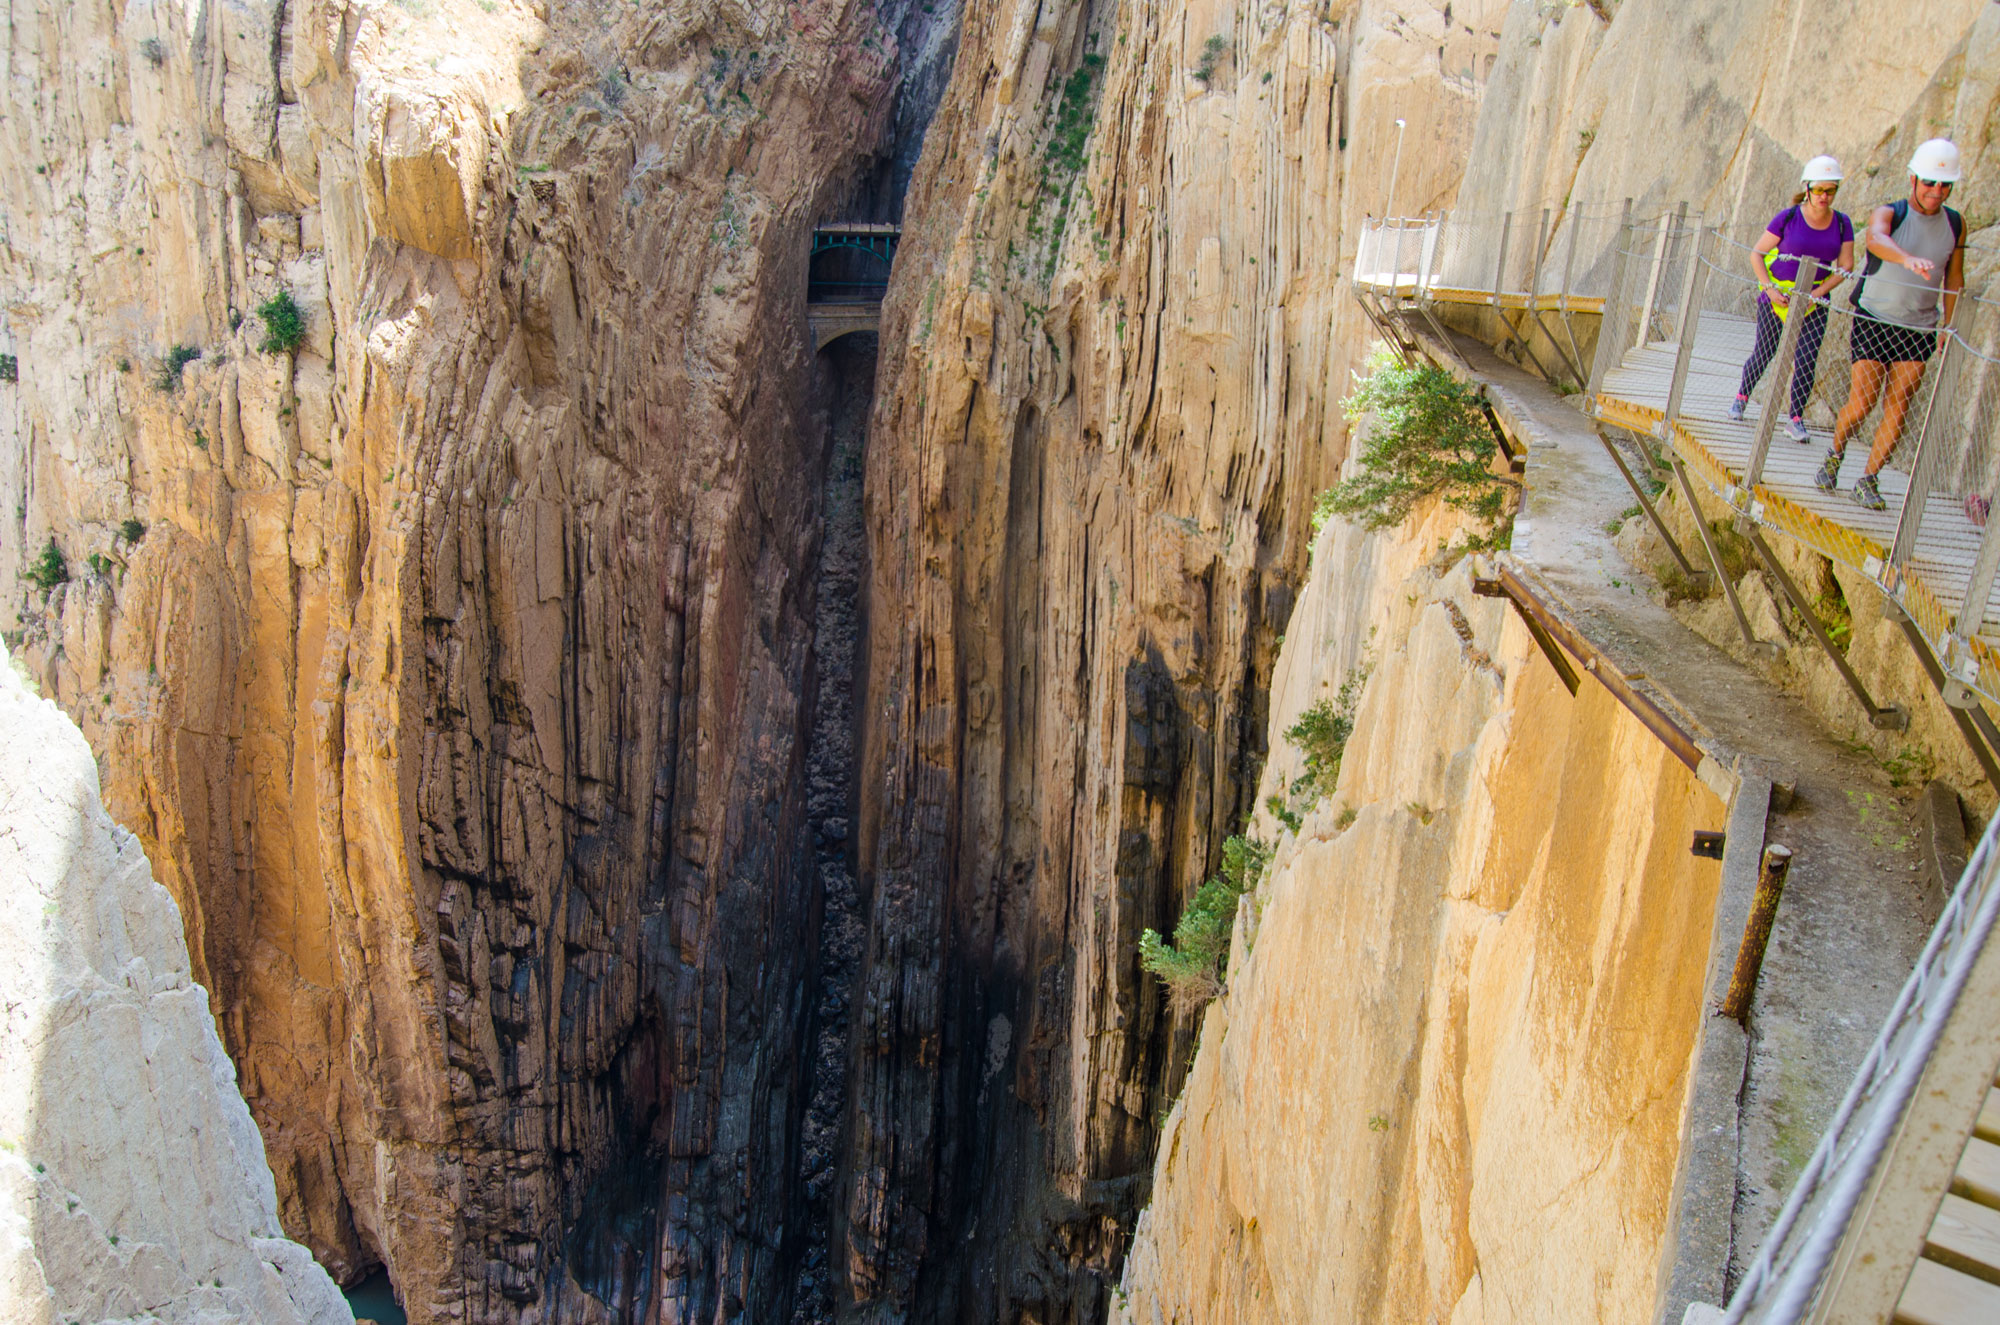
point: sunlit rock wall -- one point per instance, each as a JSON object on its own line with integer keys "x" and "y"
{"x": 132, "y": 1180}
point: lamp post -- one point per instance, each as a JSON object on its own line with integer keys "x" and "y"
{"x": 1395, "y": 164}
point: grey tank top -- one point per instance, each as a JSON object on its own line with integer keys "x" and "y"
{"x": 1893, "y": 294}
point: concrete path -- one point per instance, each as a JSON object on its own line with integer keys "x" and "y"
{"x": 1854, "y": 916}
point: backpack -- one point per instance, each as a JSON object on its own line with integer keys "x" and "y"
{"x": 1898, "y": 211}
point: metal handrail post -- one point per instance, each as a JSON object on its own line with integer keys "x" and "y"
{"x": 1396, "y": 273}
{"x": 1923, "y": 470}
{"x": 1781, "y": 380}
{"x": 1433, "y": 239}
{"x": 1691, "y": 294}
{"x": 1608, "y": 350}
{"x": 1500, "y": 265}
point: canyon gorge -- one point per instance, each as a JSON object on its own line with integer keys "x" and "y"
{"x": 665, "y": 812}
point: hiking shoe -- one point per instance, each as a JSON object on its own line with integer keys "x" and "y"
{"x": 1828, "y": 477}
{"x": 1868, "y": 495}
{"x": 1736, "y": 408}
{"x": 1795, "y": 428}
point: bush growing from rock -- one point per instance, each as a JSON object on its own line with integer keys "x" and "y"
{"x": 1429, "y": 437}
{"x": 178, "y": 358}
{"x": 1192, "y": 965}
{"x": 49, "y": 569}
{"x": 284, "y": 323}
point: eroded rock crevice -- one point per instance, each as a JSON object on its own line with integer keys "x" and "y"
{"x": 838, "y": 933}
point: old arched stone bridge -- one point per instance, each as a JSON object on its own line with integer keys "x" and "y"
{"x": 849, "y": 270}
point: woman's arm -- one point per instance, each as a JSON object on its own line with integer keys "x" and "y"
{"x": 1765, "y": 243}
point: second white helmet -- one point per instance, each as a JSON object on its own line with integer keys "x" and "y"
{"x": 1936, "y": 159}
{"x": 1821, "y": 170}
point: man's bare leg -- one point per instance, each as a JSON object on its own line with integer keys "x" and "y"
{"x": 1903, "y": 379}
{"x": 1864, "y": 388}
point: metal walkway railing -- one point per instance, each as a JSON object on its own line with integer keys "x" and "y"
{"x": 1677, "y": 302}
{"x": 1791, "y": 1269}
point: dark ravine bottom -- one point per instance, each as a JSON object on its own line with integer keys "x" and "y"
{"x": 847, "y": 369}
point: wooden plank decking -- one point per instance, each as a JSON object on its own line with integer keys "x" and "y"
{"x": 1634, "y": 395}
{"x": 1957, "y": 1279}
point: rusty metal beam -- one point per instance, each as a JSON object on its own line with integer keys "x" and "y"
{"x": 1594, "y": 660}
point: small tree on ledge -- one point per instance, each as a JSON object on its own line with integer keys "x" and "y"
{"x": 1192, "y": 965}
{"x": 1430, "y": 437}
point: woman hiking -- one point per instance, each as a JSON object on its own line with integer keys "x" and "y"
{"x": 1808, "y": 230}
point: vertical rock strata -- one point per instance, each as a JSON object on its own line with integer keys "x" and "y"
{"x": 132, "y": 1180}
{"x": 1112, "y": 362}
{"x": 1448, "y": 1079}
{"x": 452, "y": 666}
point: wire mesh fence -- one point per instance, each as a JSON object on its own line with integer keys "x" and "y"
{"x": 1912, "y": 413}
{"x": 1870, "y": 440}
{"x": 1553, "y": 255}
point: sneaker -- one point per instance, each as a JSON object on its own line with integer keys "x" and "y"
{"x": 1795, "y": 428}
{"x": 1868, "y": 495}
{"x": 1736, "y": 408}
{"x": 1828, "y": 477}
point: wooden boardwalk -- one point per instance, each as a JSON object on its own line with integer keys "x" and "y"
{"x": 1717, "y": 449}
{"x": 1956, "y": 1281}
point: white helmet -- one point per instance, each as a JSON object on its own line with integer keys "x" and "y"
{"x": 1821, "y": 170}
{"x": 1936, "y": 159}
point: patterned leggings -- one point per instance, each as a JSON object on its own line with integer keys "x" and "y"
{"x": 1804, "y": 363}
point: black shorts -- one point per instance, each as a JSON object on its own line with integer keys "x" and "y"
{"x": 1876, "y": 341}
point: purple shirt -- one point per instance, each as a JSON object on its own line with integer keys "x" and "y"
{"x": 1797, "y": 239}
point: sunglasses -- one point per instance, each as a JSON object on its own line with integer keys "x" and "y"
{"x": 1935, "y": 183}
{"x": 1824, "y": 191}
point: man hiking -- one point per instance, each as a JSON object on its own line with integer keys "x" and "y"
{"x": 1907, "y": 294}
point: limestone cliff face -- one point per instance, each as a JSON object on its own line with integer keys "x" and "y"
{"x": 1447, "y": 1081}
{"x": 132, "y": 1180}
{"x": 1112, "y": 365}
{"x": 455, "y": 682}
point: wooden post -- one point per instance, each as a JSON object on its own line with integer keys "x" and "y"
{"x": 1569, "y": 265}
{"x": 1923, "y": 470}
{"x": 1535, "y": 259}
{"x": 1690, "y": 320}
{"x": 1667, "y": 228}
{"x": 1689, "y": 290}
{"x": 1757, "y": 933}
{"x": 1608, "y": 349}
{"x": 1781, "y": 382}
{"x": 1979, "y": 585}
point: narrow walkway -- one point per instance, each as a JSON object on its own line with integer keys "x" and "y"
{"x": 1634, "y": 395}
{"x": 1853, "y": 919}
{"x": 1957, "y": 1279}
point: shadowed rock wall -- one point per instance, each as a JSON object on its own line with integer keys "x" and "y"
{"x": 457, "y": 681}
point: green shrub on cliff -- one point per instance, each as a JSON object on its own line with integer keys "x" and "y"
{"x": 1321, "y": 734}
{"x": 168, "y": 378}
{"x": 1192, "y": 965}
{"x": 284, "y": 323}
{"x": 49, "y": 569}
{"x": 1430, "y": 437}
